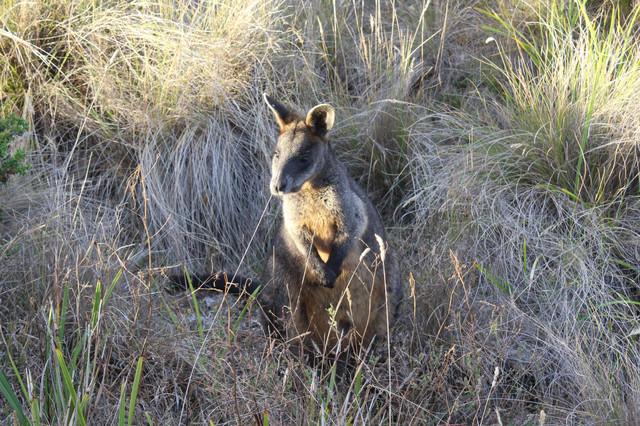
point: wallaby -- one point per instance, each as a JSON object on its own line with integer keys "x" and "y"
{"x": 331, "y": 268}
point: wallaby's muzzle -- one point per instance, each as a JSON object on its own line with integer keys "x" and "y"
{"x": 288, "y": 176}
{"x": 281, "y": 185}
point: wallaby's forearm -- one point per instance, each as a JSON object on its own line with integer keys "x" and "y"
{"x": 321, "y": 271}
{"x": 337, "y": 256}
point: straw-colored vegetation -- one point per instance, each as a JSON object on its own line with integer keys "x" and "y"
{"x": 498, "y": 138}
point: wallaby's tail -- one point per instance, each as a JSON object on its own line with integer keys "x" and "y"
{"x": 216, "y": 281}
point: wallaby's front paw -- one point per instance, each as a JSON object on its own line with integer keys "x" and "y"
{"x": 328, "y": 278}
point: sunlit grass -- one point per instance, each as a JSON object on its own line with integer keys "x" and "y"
{"x": 506, "y": 170}
{"x": 569, "y": 93}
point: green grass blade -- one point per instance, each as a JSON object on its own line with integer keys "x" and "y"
{"x": 196, "y": 306}
{"x": 121, "y": 405}
{"x": 498, "y": 282}
{"x": 134, "y": 391}
{"x": 35, "y": 412}
{"x": 77, "y": 351}
{"x": 63, "y": 314}
{"x": 12, "y": 399}
{"x": 97, "y": 303}
{"x": 68, "y": 385}
{"x": 54, "y": 387}
{"x": 252, "y": 298}
{"x": 112, "y": 286}
{"x": 14, "y": 368}
{"x": 357, "y": 386}
{"x": 525, "y": 266}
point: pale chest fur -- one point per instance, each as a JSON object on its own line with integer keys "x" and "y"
{"x": 317, "y": 213}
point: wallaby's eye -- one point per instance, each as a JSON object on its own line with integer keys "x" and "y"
{"x": 304, "y": 159}
{"x": 276, "y": 154}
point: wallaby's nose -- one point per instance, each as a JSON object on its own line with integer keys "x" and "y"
{"x": 278, "y": 186}
{"x": 281, "y": 185}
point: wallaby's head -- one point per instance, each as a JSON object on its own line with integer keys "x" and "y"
{"x": 302, "y": 146}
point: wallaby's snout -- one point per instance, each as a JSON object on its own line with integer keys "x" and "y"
{"x": 295, "y": 161}
{"x": 281, "y": 185}
{"x": 289, "y": 168}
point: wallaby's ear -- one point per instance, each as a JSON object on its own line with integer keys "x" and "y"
{"x": 320, "y": 119}
{"x": 282, "y": 114}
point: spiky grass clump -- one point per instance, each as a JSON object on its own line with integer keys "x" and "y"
{"x": 569, "y": 95}
{"x": 157, "y": 102}
{"x": 537, "y": 199}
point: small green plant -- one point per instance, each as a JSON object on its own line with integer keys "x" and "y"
{"x": 10, "y": 164}
{"x": 67, "y": 387}
{"x": 196, "y": 306}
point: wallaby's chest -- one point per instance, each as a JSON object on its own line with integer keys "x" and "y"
{"x": 314, "y": 214}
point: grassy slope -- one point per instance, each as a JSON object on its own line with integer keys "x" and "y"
{"x": 510, "y": 165}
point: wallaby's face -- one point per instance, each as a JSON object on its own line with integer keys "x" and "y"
{"x": 302, "y": 146}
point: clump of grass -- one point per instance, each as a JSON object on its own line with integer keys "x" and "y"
{"x": 538, "y": 190}
{"x": 569, "y": 98}
{"x": 58, "y": 314}
{"x": 154, "y": 97}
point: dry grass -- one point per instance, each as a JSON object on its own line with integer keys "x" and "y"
{"x": 507, "y": 173}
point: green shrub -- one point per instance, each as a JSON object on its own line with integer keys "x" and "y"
{"x": 10, "y": 164}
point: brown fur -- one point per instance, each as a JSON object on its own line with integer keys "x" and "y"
{"x": 318, "y": 272}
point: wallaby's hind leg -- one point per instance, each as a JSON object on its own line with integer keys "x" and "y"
{"x": 280, "y": 296}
